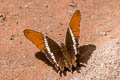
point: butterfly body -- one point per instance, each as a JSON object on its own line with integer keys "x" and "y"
{"x": 63, "y": 56}
{"x": 67, "y": 58}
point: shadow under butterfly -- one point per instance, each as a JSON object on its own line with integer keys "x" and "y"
{"x": 66, "y": 57}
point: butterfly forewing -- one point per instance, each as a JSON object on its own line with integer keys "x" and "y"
{"x": 36, "y": 38}
{"x": 72, "y": 38}
{"x": 75, "y": 23}
{"x": 48, "y": 46}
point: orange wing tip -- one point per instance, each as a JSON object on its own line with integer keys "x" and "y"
{"x": 27, "y": 31}
{"x": 77, "y": 11}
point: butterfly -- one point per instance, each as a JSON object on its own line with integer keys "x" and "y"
{"x": 64, "y": 55}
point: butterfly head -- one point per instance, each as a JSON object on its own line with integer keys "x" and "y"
{"x": 62, "y": 47}
{"x": 62, "y": 44}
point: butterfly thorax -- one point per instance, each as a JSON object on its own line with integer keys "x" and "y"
{"x": 63, "y": 48}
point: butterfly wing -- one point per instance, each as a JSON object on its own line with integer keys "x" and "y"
{"x": 36, "y": 38}
{"x": 48, "y": 46}
{"x": 72, "y": 38}
{"x": 75, "y": 24}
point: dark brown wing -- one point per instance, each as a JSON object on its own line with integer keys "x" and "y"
{"x": 58, "y": 55}
{"x": 72, "y": 38}
{"x": 48, "y": 46}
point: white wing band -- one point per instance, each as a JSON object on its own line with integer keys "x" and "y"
{"x": 74, "y": 42}
{"x": 48, "y": 50}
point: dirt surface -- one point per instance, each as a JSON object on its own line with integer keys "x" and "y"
{"x": 99, "y": 38}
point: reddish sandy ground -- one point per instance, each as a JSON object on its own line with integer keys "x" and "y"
{"x": 99, "y": 38}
